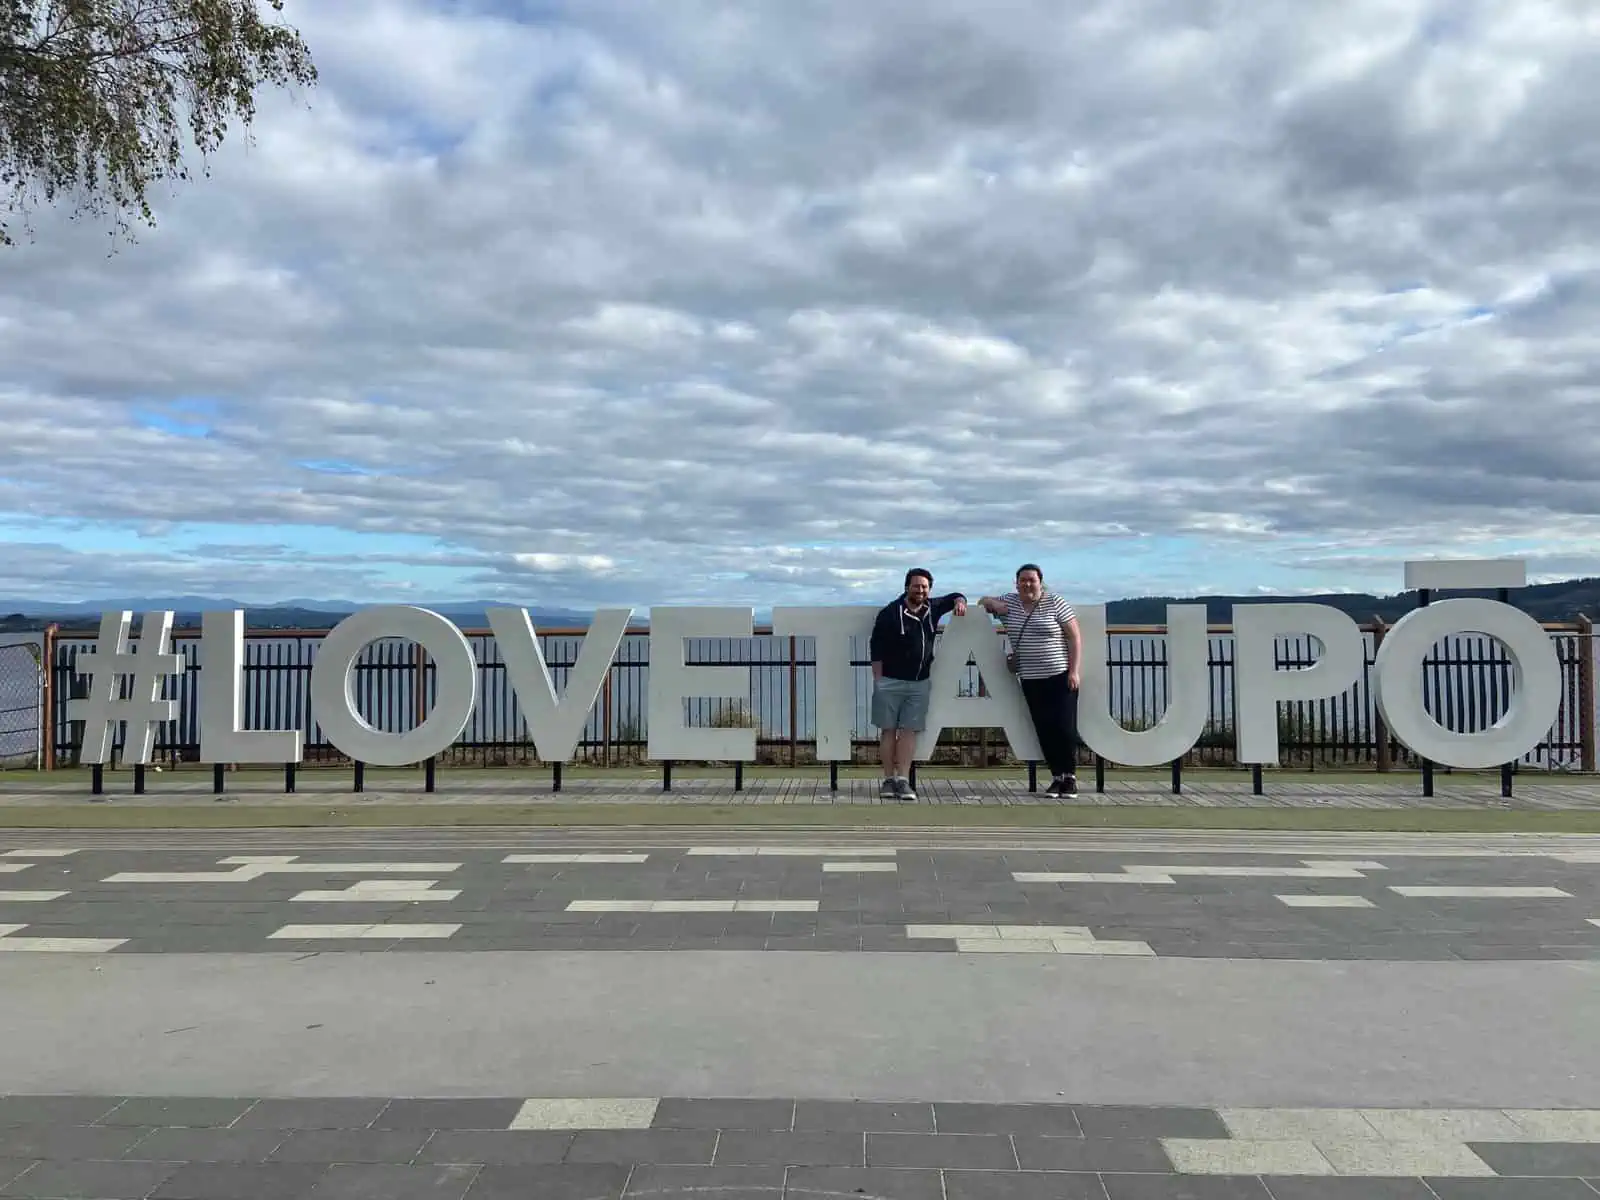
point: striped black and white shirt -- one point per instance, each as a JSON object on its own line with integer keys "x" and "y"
{"x": 1036, "y": 638}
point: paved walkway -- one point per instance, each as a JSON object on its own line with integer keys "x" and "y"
{"x": 681, "y": 1013}
{"x": 1532, "y": 791}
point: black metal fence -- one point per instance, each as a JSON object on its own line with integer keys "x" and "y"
{"x": 1467, "y": 682}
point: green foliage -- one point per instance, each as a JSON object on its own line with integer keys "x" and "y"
{"x": 95, "y": 95}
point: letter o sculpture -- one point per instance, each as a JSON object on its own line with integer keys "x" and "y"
{"x": 333, "y": 696}
{"x": 1536, "y": 692}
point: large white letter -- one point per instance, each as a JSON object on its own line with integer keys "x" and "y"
{"x": 556, "y": 725}
{"x": 833, "y": 627}
{"x": 1536, "y": 671}
{"x": 333, "y": 693}
{"x": 1188, "y": 691}
{"x": 1258, "y": 685}
{"x": 223, "y": 737}
{"x": 672, "y": 681}
{"x": 974, "y": 636}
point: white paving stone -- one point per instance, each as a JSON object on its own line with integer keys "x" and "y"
{"x": 1222, "y": 1156}
{"x": 40, "y": 853}
{"x": 592, "y": 857}
{"x": 338, "y": 932}
{"x": 279, "y": 864}
{"x": 1379, "y": 1158}
{"x": 31, "y": 897}
{"x": 13, "y": 868}
{"x": 585, "y": 1114}
{"x": 61, "y": 945}
{"x": 1442, "y": 1125}
{"x": 1554, "y": 1125}
{"x": 1297, "y": 1124}
{"x": 865, "y": 865}
{"x": 1344, "y": 864}
{"x": 1482, "y": 892}
{"x": 54, "y": 945}
{"x": 1326, "y": 901}
{"x": 1013, "y": 932}
{"x": 1005, "y": 945}
{"x": 380, "y": 891}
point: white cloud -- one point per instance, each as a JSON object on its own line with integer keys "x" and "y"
{"x": 613, "y": 302}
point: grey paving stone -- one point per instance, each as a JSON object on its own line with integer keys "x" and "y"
{"x": 448, "y": 1114}
{"x": 181, "y": 1112}
{"x": 879, "y": 1183}
{"x": 209, "y": 1145}
{"x": 563, "y": 1181}
{"x": 726, "y": 1114}
{"x": 55, "y": 1110}
{"x": 738, "y": 1147}
{"x": 974, "y": 1151}
{"x": 1128, "y": 1121}
{"x": 68, "y": 1141}
{"x": 1510, "y": 1189}
{"x": 677, "y": 1146}
{"x": 863, "y": 1115}
{"x": 1036, "y": 1153}
{"x": 1306, "y": 1187}
{"x": 1184, "y": 1187}
{"x": 350, "y": 1146}
{"x": 104, "y": 1180}
{"x": 330, "y": 1113}
{"x": 1054, "y": 1119}
{"x": 241, "y": 1181}
{"x": 1021, "y": 1185}
{"x": 507, "y": 1147}
{"x": 369, "y": 1182}
{"x": 1540, "y": 1158}
{"x": 720, "y": 1183}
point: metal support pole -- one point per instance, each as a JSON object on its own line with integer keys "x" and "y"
{"x": 1033, "y": 777}
{"x": 666, "y": 776}
{"x": 1255, "y": 779}
{"x": 555, "y": 777}
{"x": 361, "y": 776}
{"x": 138, "y": 779}
{"x": 1177, "y": 776}
{"x": 1099, "y": 774}
{"x": 219, "y": 774}
{"x": 833, "y": 776}
{"x": 288, "y": 777}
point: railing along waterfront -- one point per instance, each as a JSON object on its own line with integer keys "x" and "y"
{"x": 1467, "y": 684}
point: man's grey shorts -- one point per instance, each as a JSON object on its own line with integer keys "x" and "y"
{"x": 901, "y": 703}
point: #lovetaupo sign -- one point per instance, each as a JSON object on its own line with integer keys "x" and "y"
{"x": 556, "y": 721}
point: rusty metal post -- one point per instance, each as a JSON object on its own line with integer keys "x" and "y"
{"x": 1586, "y": 697}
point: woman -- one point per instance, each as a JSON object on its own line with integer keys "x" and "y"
{"x": 1046, "y": 649}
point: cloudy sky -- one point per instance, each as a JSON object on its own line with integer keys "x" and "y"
{"x": 580, "y": 302}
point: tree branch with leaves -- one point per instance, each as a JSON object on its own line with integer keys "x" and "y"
{"x": 99, "y": 98}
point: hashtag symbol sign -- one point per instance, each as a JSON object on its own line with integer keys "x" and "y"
{"x": 103, "y": 706}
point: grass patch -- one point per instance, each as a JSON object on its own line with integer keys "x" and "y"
{"x": 1420, "y": 819}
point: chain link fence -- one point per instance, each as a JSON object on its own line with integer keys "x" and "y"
{"x": 21, "y": 700}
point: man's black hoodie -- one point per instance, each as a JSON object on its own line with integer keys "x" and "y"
{"x": 903, "y": 640}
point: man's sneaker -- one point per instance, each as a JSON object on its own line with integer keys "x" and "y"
{"x": 889, "y": 788}
{"x": 907, "y": 792}
{"x": 1063, "y": 786}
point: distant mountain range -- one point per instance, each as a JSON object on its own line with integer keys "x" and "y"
{"x": 1561, "y": 601}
